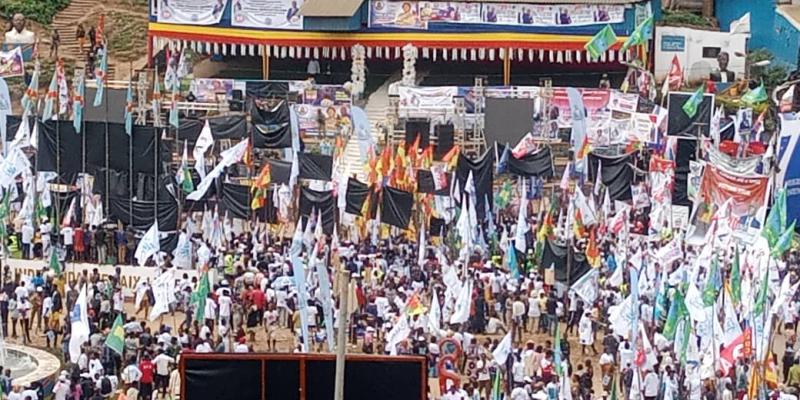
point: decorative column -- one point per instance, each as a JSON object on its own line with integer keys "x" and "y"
{"x": 357, "y": 70}
{"x": 410, "y": 54}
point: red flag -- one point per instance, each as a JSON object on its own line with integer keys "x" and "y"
{"x": 100, "y": 32}
{"x": 675, "y": 77}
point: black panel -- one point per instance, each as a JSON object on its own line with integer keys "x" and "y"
{"x": 508, "y": 120}
{"x": 283, "y": 380}
{"x": 446, "y": 140}
{"x": 392, "y": 380}
{"x": 680, "y": 124}
{"x": 421, "y": 128}
{"x": 218, "y": 379}
{"x": 320, "y": 380}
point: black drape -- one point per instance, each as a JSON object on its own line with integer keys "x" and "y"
{"x": 482, "y": 175}
{"x": 538, "y": 164}
{"x": 280, "y": 171}
{"x": 315, "y": 166}
{"x": 617, "y": 174}
{"x": 555, "y": 255}
{"x": 222, "y": 127}
{"x": 271, "y": 127}
{"x": 425, "y": 183}
{"x": 396, "y": 207}
{"x": 141, "y": 213}
{"x": 355, "y": 196}
{"x": 236, "y": 200}
{"x": 322, "y": 202}
{"x": 686, "y": 152}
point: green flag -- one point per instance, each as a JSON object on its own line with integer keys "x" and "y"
{"x": 687, "y": 330}
{"x": 736, "y": 279}
{"x": 776, "y": 220}
{"x": 712, "y": 284}
{"x": 601, "y": 42}
{"x": 614, "y": 395}
{"x": 497, "y": 394}
{"x": 199, "y": 298}
{"x": 755, "y": 96}
{"x": 187, "y": 185}
{"x": 55, "y": 264}
{"x": 784, "y": 242}
{"x": 116, "y": 338}
{"x": 674, "y": 315}
{"x": 557, "y": 352}
{"x": 690, "y": 107}
{"x": 640, "y": 35}
{"x": 763, "y": 292}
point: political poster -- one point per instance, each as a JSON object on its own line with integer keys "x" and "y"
{"x": 11, "y": 63}
{"x": 746, "y": 197}
{"x": 191, "y": 12}
{"x": 427, "y": 97}
{"x": 788, "y": 176}
{"x": 269, "y": 14}
{"x": 324, "y": 121}
{"x": 427, "y": 14}
{"x": 326, "y": 95}
{"x": 211, "y": 90}
{"x": 693, "y": 183}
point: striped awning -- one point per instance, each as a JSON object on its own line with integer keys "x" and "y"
{"x": 330, "y": 8}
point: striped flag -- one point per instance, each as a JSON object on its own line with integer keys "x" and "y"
{"x": 50, "y": 98}
{"x": 63, "y": 89}
{"x": 156, "y": 100}
{"x": 101, "y": 77}
{"x": 31, "y": 95}
{"x": 77, "y": 103}
{"x": 129, "y": 110}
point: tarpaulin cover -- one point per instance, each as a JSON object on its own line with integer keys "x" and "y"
{"x": 315, "y": 166}
{"x": 280, "y": 171}
{"x": 266, "y": 89}
{"x": 538, "y": 164}
{"x": 168, "y": 242}
{"x": 319, "y": 202}
{"x": 222, "y": 127}
{"x": 140, "y": 214}
{"x": 556, "y": 256}
{"x": 394, "y": 380}
{"x": 236, "y": 200}
{"x": 686, "y": 151}
{"x": 483, "y": 176}
{"x": 396, "y": 207}
{"x": 355, "y": 196}
{"x": 680, "y": 124}
{"x": 617, "y": 174}
{"x": 223, "y": 379}
{"x": 425, "y": 183}
{"x": 117, "y": 186}
{"x": 271, "y": 127}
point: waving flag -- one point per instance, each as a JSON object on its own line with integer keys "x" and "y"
{"x": 50, "y": 98}
{"x": 129, "y": 110}
{"x": 173, "y": 110}
{"x": 63, "y": 89}
{"x": 640, "y": 35}
{"x": 755, "y": 96}
{"x": 31, "y": 95}
{"x": 690, "y": 107}
{"x": 156, "y": 100}
{"x": 674, "y": 80}
{"x": 79, "y": 319}
{"x": 77, "y": 103}
{"x": 116, "y": 338}
{"x": 199, "y": 297}
{"x": 736, "y": 279}
{"x": 101, "y": 76}
{"x": 184, "y": 176}
{"x": 55, "y": 263}
{"x": 776, "y": 220}
{"x": 601, "y": 42}
{"x": 148, "y": 246}
{"x": 712, "y": 284}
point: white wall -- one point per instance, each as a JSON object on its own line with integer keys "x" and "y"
{"x": 688, "y": 45}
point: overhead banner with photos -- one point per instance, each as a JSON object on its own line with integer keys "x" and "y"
{"x": 210, "y": 89}
{"x": 323, "y": 121}
{"x": 422, "y": 14}
{"x": 191, "y": 12}
{"x": 268, "y": 14}
{"x": 438, "y": 97}
{"x": 11, "y": 63}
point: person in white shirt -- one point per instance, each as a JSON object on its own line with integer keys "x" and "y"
{"x": 651, "y": 385}
{"x": 162, "y": 363}
{"x": 67, "y": 237}
{"x": 203, "y": 347}
{"x": 131, "y": 374}
{"x": 225, "y": 305}
{"x": 61, "y": 388}
{"x": 241, "y": 347}
{"x": 27, "y": 238}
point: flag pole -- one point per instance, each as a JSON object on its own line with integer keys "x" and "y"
{"x": 130, "y": 152}
{"x": 341, "y": 335}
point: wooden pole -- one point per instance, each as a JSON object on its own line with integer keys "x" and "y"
{"x": 341, "y": 336}
{"x": 507, "y": 68}
{"x": 265, "y": 62}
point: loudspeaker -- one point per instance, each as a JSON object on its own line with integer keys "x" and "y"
{"x": 420, "y": 127}
{"x": 445, "y": 133}
{"x": 237, "y": 103}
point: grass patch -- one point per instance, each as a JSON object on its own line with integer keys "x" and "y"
{"x": 127, "y": 36}
{"x": 684, "y": 18}
{"x": 41, "y": 11}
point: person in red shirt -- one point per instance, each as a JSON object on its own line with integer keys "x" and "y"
{"x": 146, "y": 381}
{"x": 78, "y": 244}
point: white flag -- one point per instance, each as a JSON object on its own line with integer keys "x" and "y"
{"x": 694, "y": 303}
{"x": 148, "y": 246}
{"x": 180, "y": 176}
{"x": 163, "y": 286}
{"x": 732, "y": 330}
{"x": 204, "y": 142}
{"x": 399, "y": 332}
{"x": 228, "y": 158}
{"x": 586, "y": 286}
{"x": 784, "y": 295}
{"x": 587, "y": 213}
{"x": 14, "y": 164}
{"x": 182, "y": 255}
{"x": 564, "y": 184}
{"x": 435, "y": 315}
{"x": 463, "y": 302}
{"x": 622, "y": 316}
{"x": 422, "y": 246}
{"x": 522, "y": 225}
{"x": 503, "y": 350}
{"x": 23, "y": 137}
{"x": 669, "y": 253}
{"x": 79, "y": 319}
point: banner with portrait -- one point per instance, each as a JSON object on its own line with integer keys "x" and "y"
{"x": 426, "y": 14}
{"x": 269, "y": 14}
{"x": 746, "y": 207}
{"x": 191, "y": 12}
{"x": 416, "y": 98}
{"x": 11, "y": 63}
{"x": 326, "y": 95}
{"x": 323, "y": 121}
{"x": 211, "y": 90}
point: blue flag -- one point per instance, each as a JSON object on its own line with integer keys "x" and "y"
{"x": 173, "y": 110}
{"x": 129, "y": 110}
{"x": 77, "y": 103}
{"x": 513, "y": 265}
{"x": 50, "y": 98}
{"x": 101, "y": 77}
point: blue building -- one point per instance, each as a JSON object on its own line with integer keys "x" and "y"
{"x": 775, "y": 27}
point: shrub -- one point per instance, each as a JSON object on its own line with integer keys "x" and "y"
{"x": 41, "y": 11}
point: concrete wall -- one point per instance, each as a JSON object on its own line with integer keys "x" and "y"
{"x": 688, "y": 44}
{"x": 770, "y": 29}
{"x": 786, "y": 39}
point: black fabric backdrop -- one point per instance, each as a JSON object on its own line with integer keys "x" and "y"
{"x": 222, "y": 127}
{"x": 140, "y": 213}
{"x": 236, "y": 200}
{"x": 617, "y": 174}
{"x": 396, "y": 207}
{"x": 421, "y": 128}
{"x": 686, "y": 152}
{"x": 322, "y": 202}
{"x": 445, "y": 135}
{"x": 223, "y": 379}
{"x": 280, "y": 171}
{"x": 355, "y": 196}
{"x": 680, "y": 124}
{"x": 266, "y": 89}
{"x": 556, "y": 255}
{"x": 271, "y": 128}
{"x": 539, "y": 164}
{"x": 425, "y": 183}
{"x": 315, "y": 166}
{"x": 483, "y": 176}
